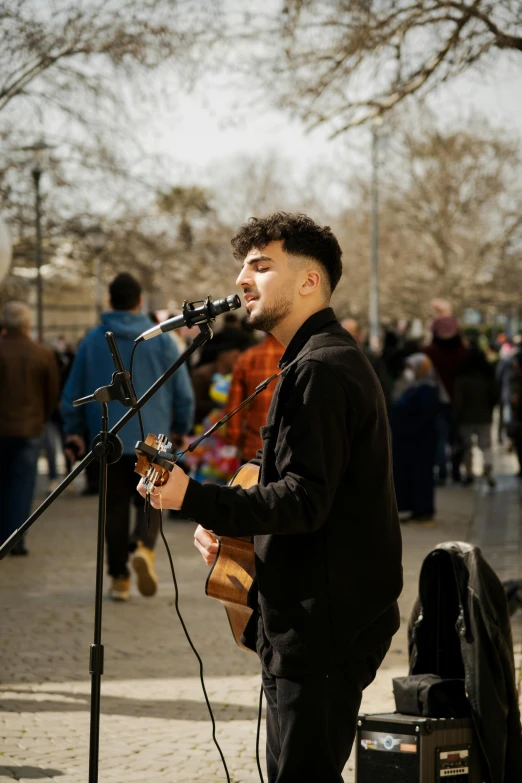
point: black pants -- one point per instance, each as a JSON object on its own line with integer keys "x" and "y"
{"x": 311, "y": 721}
{"x": 121, "y": 493}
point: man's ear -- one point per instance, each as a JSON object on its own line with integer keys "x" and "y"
{"x": 312, "y": 282}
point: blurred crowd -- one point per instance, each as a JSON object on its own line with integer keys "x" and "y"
{"x": 442, "y": 390}
{"x": 40, "y": 424}
{"x": 441, "y": 386}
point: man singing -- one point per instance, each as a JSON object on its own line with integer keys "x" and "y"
{"x": 323, "y": 516}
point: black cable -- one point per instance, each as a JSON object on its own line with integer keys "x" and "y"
{"x": 178, "y": 456}
{"x": 176, "y": 593}
{"x": 176, "y": 605}
{"x": 258, "y": 733}
{"x": 130, "y": 373}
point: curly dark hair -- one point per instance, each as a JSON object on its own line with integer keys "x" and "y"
{"x": 300, "y": 236}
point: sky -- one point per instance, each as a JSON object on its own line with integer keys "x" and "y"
{"x": 193, "y": 137}
{"x": 199, "y": 131}
{"x": 194, "y": 134}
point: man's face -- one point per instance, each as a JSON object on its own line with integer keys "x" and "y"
{"x": 269, "y": 286}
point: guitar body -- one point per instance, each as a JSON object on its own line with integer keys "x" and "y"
{"x": 231, "y": 577}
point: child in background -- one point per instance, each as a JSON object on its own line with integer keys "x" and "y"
{"x": 214, "y": 461}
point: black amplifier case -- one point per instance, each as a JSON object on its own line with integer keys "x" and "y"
{"x": 394, "y": 748}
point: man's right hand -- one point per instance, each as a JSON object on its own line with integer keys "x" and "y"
{"x": 74, "y": 447}
{"x": 207, "y": 544}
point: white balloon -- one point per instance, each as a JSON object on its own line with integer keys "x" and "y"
{"x": 6, "y": 249}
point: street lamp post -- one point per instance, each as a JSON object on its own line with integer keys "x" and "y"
{"x": 38, "y": 149}
{"x": 374, "y": 263}
{"x": 98, "y": 240}
{"x": 37, "y": 173}
{"x": 6, "y": 249}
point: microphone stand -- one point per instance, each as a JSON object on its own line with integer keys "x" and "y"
{"x": 106, "y": 448}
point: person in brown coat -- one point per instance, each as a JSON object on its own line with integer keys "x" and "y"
{"x": 29, "y": 392}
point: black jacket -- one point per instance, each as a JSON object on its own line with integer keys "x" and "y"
{"x": 460, "y": 628}
{"x": 324, "y": 517}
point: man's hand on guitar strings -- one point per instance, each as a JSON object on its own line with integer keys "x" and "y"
{"x": 172, "y": 493}
{"x": 207, "y": 544}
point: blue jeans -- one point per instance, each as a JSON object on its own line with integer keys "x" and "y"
{"x": 18, "y": 466}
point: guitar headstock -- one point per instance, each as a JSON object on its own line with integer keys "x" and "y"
{"x": 154, "y": 460}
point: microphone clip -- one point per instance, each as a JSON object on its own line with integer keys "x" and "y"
{"x": 188, "y": 310}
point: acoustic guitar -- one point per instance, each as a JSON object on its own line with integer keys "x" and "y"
{"x": 232, "y": 575}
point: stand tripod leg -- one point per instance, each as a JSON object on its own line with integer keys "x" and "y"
{"x": 96, "y": 654}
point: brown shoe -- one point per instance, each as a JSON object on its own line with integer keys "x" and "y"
{"x": 143, "y": 564}
{"x": 120, "y": 589}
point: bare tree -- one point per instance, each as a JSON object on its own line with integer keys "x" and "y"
{"x": 462, "y": 201}
{"x": 51, "y": 52}
{"x": 72, "y": 70}
{"x": 186, "y": 204}
{"x": 344, "y": 62}
{"x": 450, "y": 222}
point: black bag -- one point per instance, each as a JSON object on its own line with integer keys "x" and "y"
{"x": 430, "y": 696}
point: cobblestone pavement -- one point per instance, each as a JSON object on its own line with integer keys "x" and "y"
{"x": 154, "y": 723}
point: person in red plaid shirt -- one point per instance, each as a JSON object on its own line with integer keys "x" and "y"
{"x": 253, "y": 366}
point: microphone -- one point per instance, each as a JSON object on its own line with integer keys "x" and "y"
{"x": 193, "y": 315}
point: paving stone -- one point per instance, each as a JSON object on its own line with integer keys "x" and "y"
{"x": 154, "y": 723}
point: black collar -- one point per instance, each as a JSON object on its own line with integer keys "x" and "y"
{"x": 305, "y": 331}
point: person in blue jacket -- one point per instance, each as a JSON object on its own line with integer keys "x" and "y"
{"x": 170, "y": 412}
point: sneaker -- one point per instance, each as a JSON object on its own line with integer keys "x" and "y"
{"x": 143, "y": 564}
{"x": 120, "y": 588}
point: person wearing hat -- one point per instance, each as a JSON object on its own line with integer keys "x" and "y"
{"x": 446, "y": 352}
